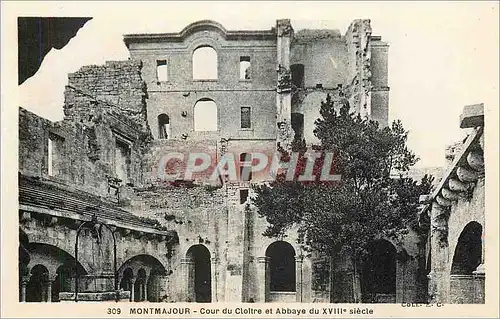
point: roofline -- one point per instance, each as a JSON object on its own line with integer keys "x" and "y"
{"x": 197, "y": 26}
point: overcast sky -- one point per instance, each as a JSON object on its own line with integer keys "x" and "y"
{"x": 442, "y": 56}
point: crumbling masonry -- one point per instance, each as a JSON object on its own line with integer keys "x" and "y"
{"x": 193, "y": 240}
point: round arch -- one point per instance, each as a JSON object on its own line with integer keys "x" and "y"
{"x": 200, "y": 278}
{"x": 205, "y": 63}
{"x": 36, "y": 289}
{"x": 468, "y": 251}
{"x": 205, "y": 115}
{"x": 142, "y": 276}
{"x": 143, "y": 260}
{"x": 52, "y": 257}
{"x": 282, "y": 275}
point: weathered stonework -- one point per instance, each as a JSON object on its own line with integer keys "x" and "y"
{"x": 455, "y": 245}
{"x": 105, "y": 158}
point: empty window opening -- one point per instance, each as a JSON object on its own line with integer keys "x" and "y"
{"x": 245, "y": 117}
{"x": 298, "y": 126}
{"x": 281, "y": 266}
{"x": 122, "y": 160}
{"x": 468, "y": 252}
{"x": 246, "y": 167}
{"x": 163, "y": 126}
{"x": 205, "y": 115}
{"x": 243, "y": 196}
{"x": 245, "y": 68}
{"x": 297, "y": 75}
{"x": 205, "y": 63}
{"x": 162, "y": 70}
{"x": 378, "y": 283}
{"x": 55, "y": 146}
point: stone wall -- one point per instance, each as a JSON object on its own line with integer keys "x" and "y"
{"x": 117, "y": 85}
{"x": 178, "y": 96}
{"x": 454, "y": 216}
{"x": 86, "y": 151}
{"x": 324, "y": 56}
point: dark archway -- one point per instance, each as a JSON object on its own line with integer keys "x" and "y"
{"x": 281, "y": 266}
{"x": 200, "y": 256}
{"x": 150, "y": 285}
{"x": 139, "y": 287}
{"x": 468, "y": 251}
{"x": 378, "y": 283}
{"x": 64, "y": 281}
{"x": 126, "y": 281}
{"x": 36, "y": 290}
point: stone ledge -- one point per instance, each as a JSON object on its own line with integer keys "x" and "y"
{"x": 472, "y": 116}
{"x": 95, "y": 296}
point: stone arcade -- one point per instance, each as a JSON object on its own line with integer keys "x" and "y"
{"x": 212, "y": 90}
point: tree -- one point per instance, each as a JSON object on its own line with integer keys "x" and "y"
{"x": 334, "y": 217}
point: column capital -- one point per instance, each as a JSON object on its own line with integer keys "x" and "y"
{"x": 214, "y": 260}
{"x": 187, "y": 261}
{"x": 51, "y": 278}
{"x": 299, "y": 258}
{"x": 25, "y": 279}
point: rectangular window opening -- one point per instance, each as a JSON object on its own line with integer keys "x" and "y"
{"x": 161, "y": 70}
{"x": 55, "y": 146}
{"x": 245, "y": 68}
{"x": 246, "y": 121}
{"x": 243, "y": 196}
{"x": 122, "y": 160}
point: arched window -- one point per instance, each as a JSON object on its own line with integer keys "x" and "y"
{"x": 205, "y": 115}
{"x": 163, "y": 126}
{"x": 205, "y": 63}
{"x": 281, "y": 266}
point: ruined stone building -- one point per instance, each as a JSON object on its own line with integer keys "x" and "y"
{"x": 204, "y": 89}
{"x": 453, "y": 217}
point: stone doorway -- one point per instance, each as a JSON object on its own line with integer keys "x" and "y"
{"x": 200, "y": 285}
{"x": 378, "y": 281}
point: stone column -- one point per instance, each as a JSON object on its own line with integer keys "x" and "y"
{"x": 285, "y": 132}
{"x": 132, "y": 289}
{"x": 439, "y": 281}
{"x": 24, "y": 282}
{"x": 298, "y": 278}
{"x": 145, "y": 297}
{"x": 263, "y": 279}
{"x": 214, "y": 263}
{"x": 188, "y": 293}
{"x": 48, "y": 288}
